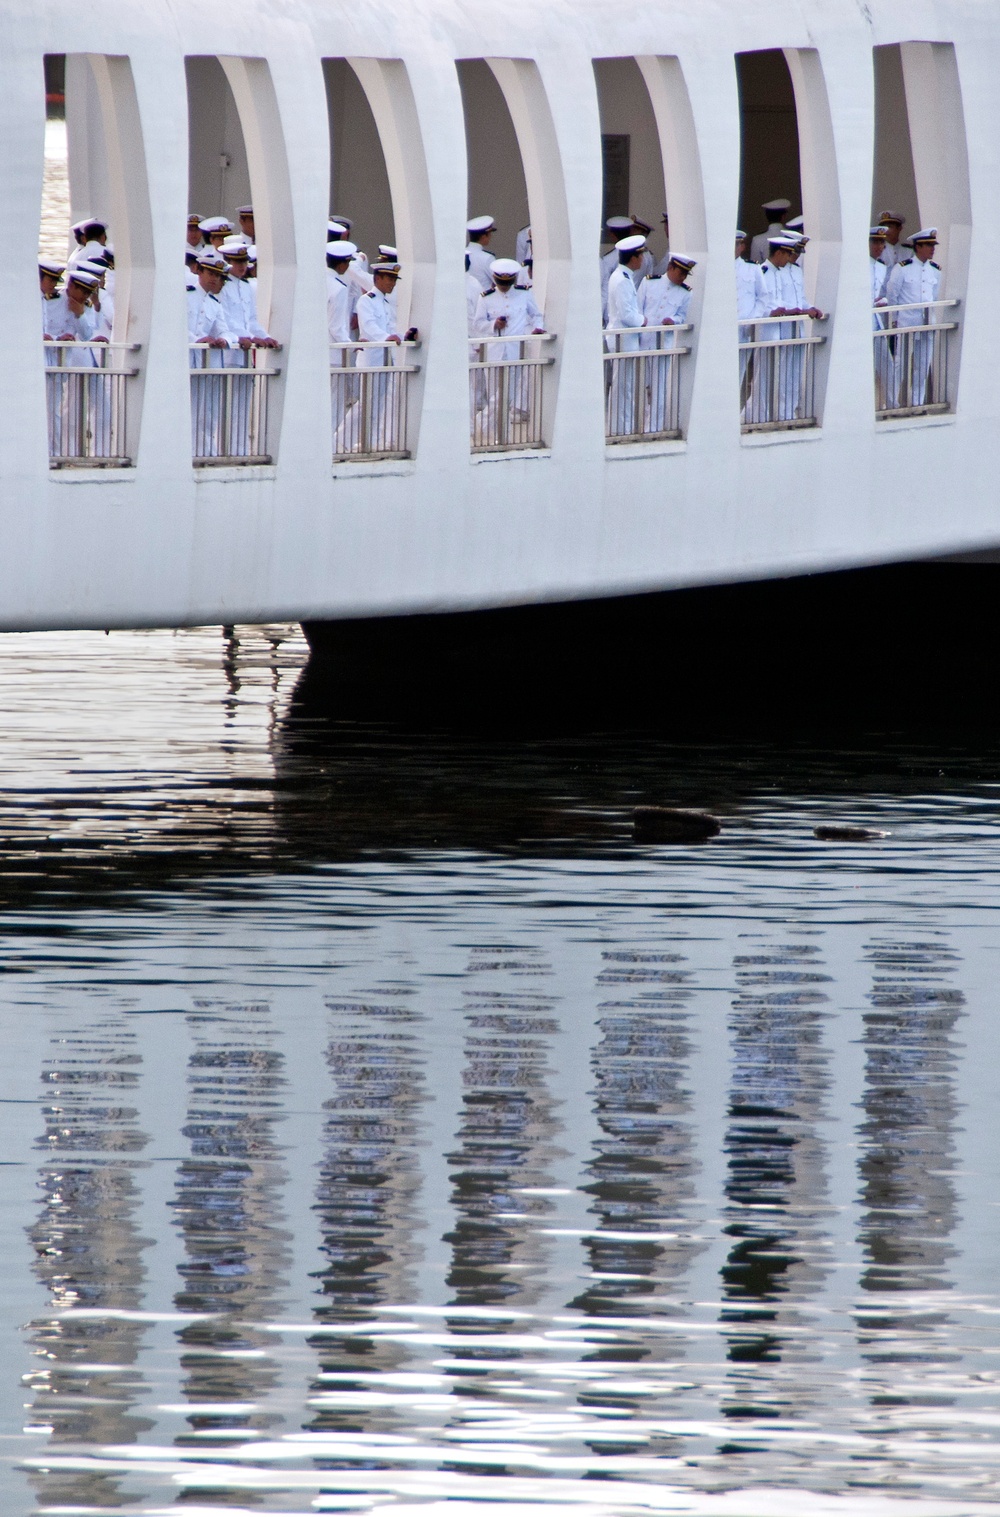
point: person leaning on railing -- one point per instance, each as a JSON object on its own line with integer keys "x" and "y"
{"x": 783, "y": 299}
{"x": 664, "y": 301}
{"x": 507, "y": 309}
{"x": 624, "y": 316}
{"x": 910, "y": 283}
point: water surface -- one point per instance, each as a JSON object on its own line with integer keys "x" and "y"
{"x": 384, "y": 1129}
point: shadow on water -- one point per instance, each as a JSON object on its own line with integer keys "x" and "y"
{"x": 540, "y": 731}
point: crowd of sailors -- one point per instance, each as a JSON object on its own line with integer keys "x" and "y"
{"x": 644, "y": 300}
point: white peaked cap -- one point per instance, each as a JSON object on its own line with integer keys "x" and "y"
{"x": 618, "y": 223}
{"x": 215, "y": 224}
{"x": 344, "y": 221}
{"x": 506, "y": 268}
{"x": 631, "y": 244}
{"x": 337, "y": 228}
{"x": 233, "y": 245}
{"x": 796, "y": 223}
{"x": 783, "y": 241}
{"x": 100, "y": 269}
{"x": 778, "y": 204}
{"x": 741, "y": 236}
{"x": 252, "y": 251}
{"x": 876, "y": 231}
{"x": 683, "y": 259}
{"x": 385, "y": 251}
{"x": 211, "y": 259}
{"x": 51, "y": 266}
{"x": 82, "y": 276}
{"x": 926, "y": 234}
{"x": 480, "y": 224}
{"x": 340, "y": 249}
{"x": 244, "y": 210}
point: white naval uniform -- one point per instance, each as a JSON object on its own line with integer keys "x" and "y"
{"x": 626, "y": 401}
{"x": 883, "y": 353}
{"x": 369, "y": 423}
{"x": 780, "y": 369}
{"x": 892, "y": 254}
{"x": 909, "y": 283}
{"x": 661, "y": 302}
{"x": 751, "y": 301}
{"x": 522, "y": 247}
{"x": 207, "y": 319}
{"x": 758, "y": 245}
{"x": 517, "y": 307}
{"x": 239, "y": 302}
{"x": 338, "y": 320}
{"x": 609, "y": 262}
{"x": 480, "y": 259}
{"x": 73, "y": 401}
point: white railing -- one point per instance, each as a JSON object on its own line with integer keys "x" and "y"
{"x": 777, "y": 373}
{"x": 229, "y": 404}
{"x": 642, "y": 384}
{"x": 911, "y": 359}
{"x": 85, "y": 394}
{"x": 369, "y": 394}
{"x": 505, "y": 394}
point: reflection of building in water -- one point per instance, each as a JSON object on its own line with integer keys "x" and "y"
{"x": 367, "y": 1198}
{"x": 505, "y": 1137}
{"x": 227, "y": 1208}
{"x": 642, "y": 1173}
{"x": 910, "y": 1108}
{"x": 775, "y": 1186}
{"x": 88, "y": 1254}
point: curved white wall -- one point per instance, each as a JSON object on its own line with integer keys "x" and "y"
{"x": 160, "y": 544}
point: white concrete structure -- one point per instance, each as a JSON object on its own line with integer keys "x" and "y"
{"x": 161, "y": 543}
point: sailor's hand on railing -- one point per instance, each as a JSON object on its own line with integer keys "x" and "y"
{"x": 411, "y": 334}
{"x": 393, "y": 337}
{"x": 781, "y": 311}
{"x": 246, "y": 342}
{"x": 212, "y": 342}
{"x": 814, "y": 312}
{"x": 538, "y": 331}
{"x": 266, "y": 342}
{"x": 98, "y": 339}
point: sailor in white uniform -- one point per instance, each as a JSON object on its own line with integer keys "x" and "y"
{"x": 91, "y": 236}
{"x": 215, "y": 230}
{"x": 626, "y": 399}
{"x": 372, "y": 418}
{"x": 54, "y": 308}
{"x": 664, "y": 300}
{"x": 72, "y": 431}
{"x": 522, "y": 246}
{"x": 209, "y": 329}
{"x": 246, "y": 233}
{"x": 505, "y": 310}
{"x": 194, "y": 241}
{"x": 778, "y": 370}
{"x": 343, "y": 383}
{"x": 619, "y": 227}
{"x": 776, "y": 211}
{"x": 661, "y": 266}
{"x": 239, "y": 302}
{"x": 879, "y": 274}
{"x": 480, "y": 230}
{"x": 894, "y": 251}
{"x": 751, "y": 301}
{"x": 911, "y": 282}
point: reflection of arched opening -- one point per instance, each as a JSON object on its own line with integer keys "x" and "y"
{"x": 236, "y": 157}
{"x": 94, "y": 418}
{"x": 921, "y": 171}
{"x": 652, "y": 171}
{"x": 515, "y": 175}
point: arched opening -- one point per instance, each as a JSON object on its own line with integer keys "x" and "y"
{"x": 920, "y": 182}
{"x": 788, "y": 189}
{"x": 651, "y": 187}
{"x": 515, "y": 184}
{"x": 96, "y": 224}
{"x": 380, "y": 195}
{"x": 240, "y": 258}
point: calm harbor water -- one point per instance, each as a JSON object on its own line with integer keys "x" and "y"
{"x": 384, "y": 1129}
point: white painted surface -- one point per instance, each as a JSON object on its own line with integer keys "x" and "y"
{"x": 162, "y": 545}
